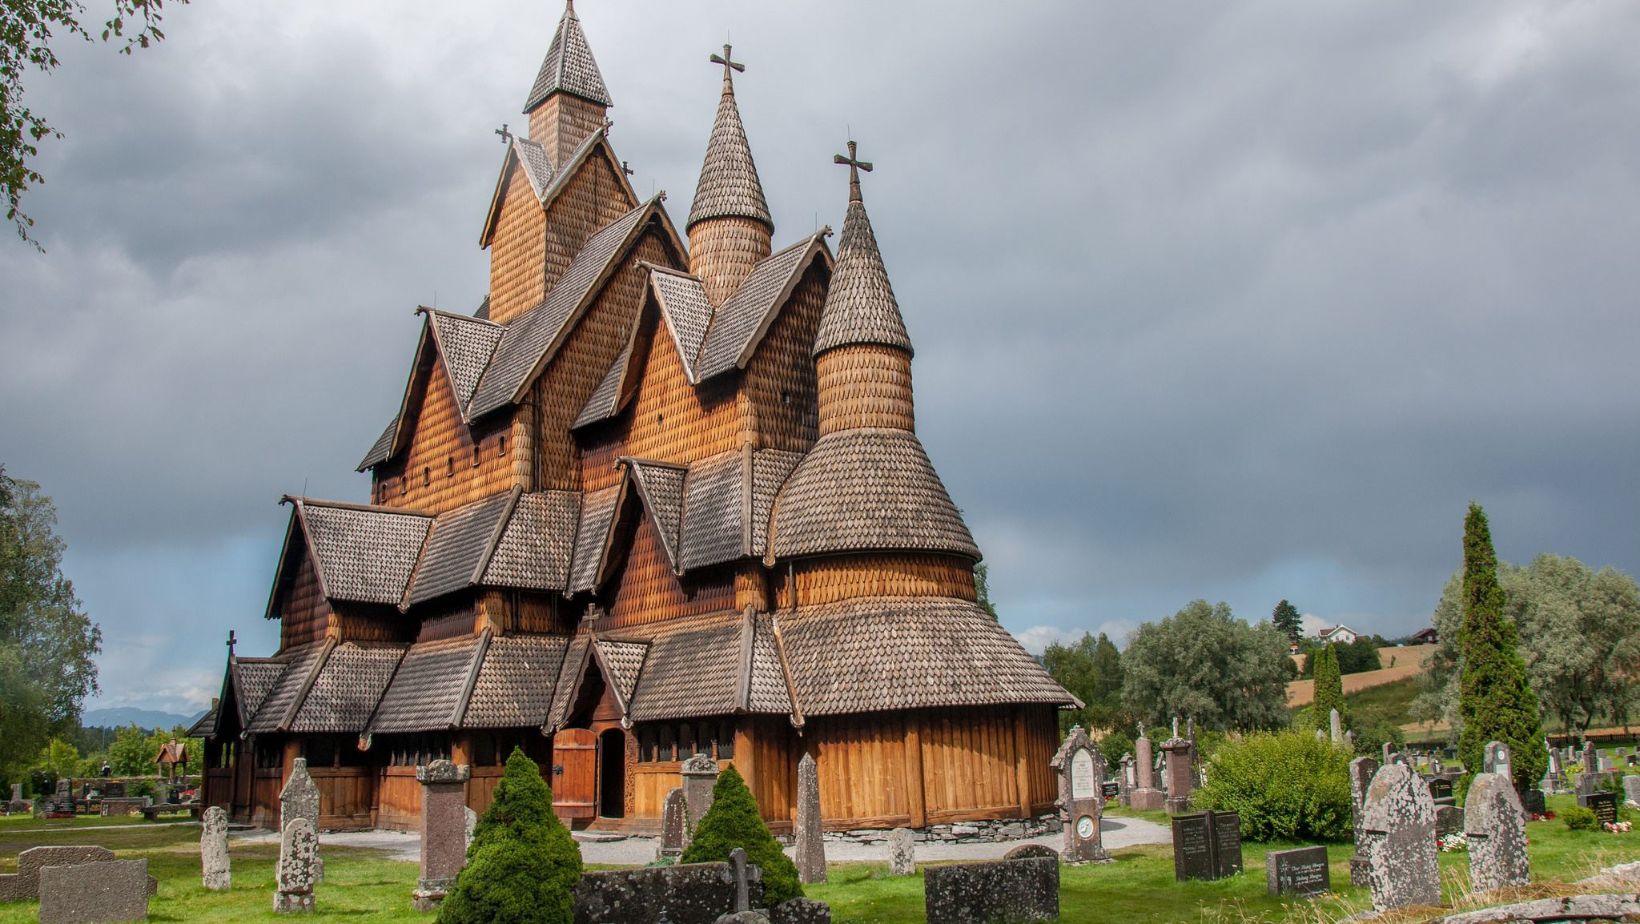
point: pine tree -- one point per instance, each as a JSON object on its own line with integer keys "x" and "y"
{"x": 734, "y": 821}
{"x": 1286, "y": 618}
{"x": 1329, "y": 686}
{"x": 1495, "y": 702}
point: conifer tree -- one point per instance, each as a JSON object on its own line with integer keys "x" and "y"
{"x": 1495, "y": 702}
{"x": 1329, "y": 686}
{"x": 1286, "y": 618}
{"x": 734, "y": 821}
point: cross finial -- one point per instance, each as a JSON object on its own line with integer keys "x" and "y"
{"x": 506, "y": 136}
{"x": 729, "y": 64}
{"x": 609, "y": 125}
{"x": 625, "y": 168}
{"x": 232, "y": 640}
{"x": 855, "y": 165}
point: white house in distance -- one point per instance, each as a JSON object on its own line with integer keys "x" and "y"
{"x": 1339, "y": 634}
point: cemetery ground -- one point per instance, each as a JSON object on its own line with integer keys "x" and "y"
{"x": 365, "y": 885}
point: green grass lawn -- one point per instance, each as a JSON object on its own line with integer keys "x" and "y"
{"x": 1139, "y": 886}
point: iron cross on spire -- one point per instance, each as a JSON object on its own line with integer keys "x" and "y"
{"x": 231, "y": 641}
{"x": 506, "y": 136}
{"x": 855, "y": 165}
{"x": 729, "y": 63}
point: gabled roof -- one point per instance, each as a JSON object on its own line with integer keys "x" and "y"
{"x": 278, "y": 708}
{"x": 612, "y": 392}
{"x": 429, "y": 691}
{"x": 660, "y": 486}
{"x": 570, "y": 672}
{"x": 866, "y": 490}
{"x": 686, "y": 310}
{"x": 252, "y": 679}
{"x": 860, "y": 305}
{"x": 740, "y": 322}
{"x": 692, "y": 668}
{"x": 767, "y": 688}
{"x": 728, "y": 185}
{"x": 347, "y": 688}
{"x": 548, "y": 180}
{"x": 459, "y": 547}
{"x": 381, "y": 450}
{"x": 593, "y": 537}
{"x": 568, "y": 66}
{"x": 534, "y": 550}
{"x": 621, "y": 662}
{"x": 516, "y": 682}
{"x": 465, "y": 344}
{"x": 361, "y": 554}
{"x": 717, "y": 525}
{"x": 533, "y": 338}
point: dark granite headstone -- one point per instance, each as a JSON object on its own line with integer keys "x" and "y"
{"x": 1440, "y": 788}
{"x": 1226, "y": 843}
{"x": 1448, "y": 820}
{"x": 1206, "y": 845}
{"x": 1112, "y": 790}
{"x": 980, "y": 893}
{"x": 1533, "y": 802}
{"x": 693, "y": 893}
{"x": 1300, "y": 871}
{"x": 1604, "y": 805}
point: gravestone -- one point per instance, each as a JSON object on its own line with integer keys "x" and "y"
{"x": 1604, "y": 806}
{"x": 300, "y": 799}
{"x": 690, "y": 893}
{"x": 16, "y": 806}
{"x": 1631, "y": 788}
{"x": 1030, "y": 851}
{"x": 1002, "y": 890}
{"x": 1495, "y": 759}
{"x": 1145, "y": 796}
{"x": 1181, "y": 777}
{"x": 1124, "y": 777}
{"x": 213, "y": 850}
{"x": 443, "y": 831}
{"x": 1448, "y": 820}
{"x": 1349, "y": 740}
{"x": 674, "y": 826}
{"x": 1361, "y": 773}
{"x": 1590, "y": 759}
{"x": 296, "y": 873}
{"x": 700, "y": 773}
{"x": 800, "y": 911}
{"x": 743, "y": 883}
{"x": 1533, "y": 802}
{"x": 1081, "y": 772}
{"x": 1496, "y": 830}
{"x": 1206, "y": 845}
{"x": 24, "y": 885}
{"x": 811, "y": 848}
{"x": 1335, "y": 726}
{"x": 1300, "y": 871}
{"x": 93, "y": 893}
{"x": 1399, "y": 823}
{"x": 902, "y": 852}
{"x": 1440, "y": 789}
{"x": 1388, "y": 756}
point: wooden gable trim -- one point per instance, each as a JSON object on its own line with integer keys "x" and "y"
{"x": 597, "y": 657}
{"x": 459, "y": 715}
{"x": 443, "y": 357}
{"x": 307, "y": 685}
{"x": 748, "y": 645}
{"x": 502, "y": 181}
{"x": 501, "y": 524}
{"x": 816, "y": 248}
{"x": 786, "y": 671}
{"x": 667, "y": 542}
{"x": 606, "y": 551}
{"x": 588, "y": 641}
{"x": 291, "y": 528}
{"x": 566, "y": 173}
{"x": 397, "y": 444}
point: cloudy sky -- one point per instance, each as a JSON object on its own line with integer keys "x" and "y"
{"x": 1231, "y": 301}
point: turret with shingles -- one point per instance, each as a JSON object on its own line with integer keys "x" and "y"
{"x": 568, "y": 100}
{"x": 729, "y": 227}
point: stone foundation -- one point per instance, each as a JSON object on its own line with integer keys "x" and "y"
{"x": 962, "y": 832}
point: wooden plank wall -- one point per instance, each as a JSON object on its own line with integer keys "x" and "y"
{"x": 649, "y": 591}
{"x": 304, "y": 613}
{"x": 844, "y": 577}
{"x": 448, "y": 463}
{"x": 398, "y": 806}
{"x": 346, "y": 795}
{"x": 780, "y": 393}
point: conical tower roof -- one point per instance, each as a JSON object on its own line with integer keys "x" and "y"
{"x": 729, "y": 186}
{"x": 568, "y": 66}
{"x": 860, "y": 305}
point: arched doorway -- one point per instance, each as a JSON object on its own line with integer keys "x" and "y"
{"x": 612, "y": 773}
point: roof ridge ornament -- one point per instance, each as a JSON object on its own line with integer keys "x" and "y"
{"x": 855, "y": 165}
{"x": 729, "y": 66}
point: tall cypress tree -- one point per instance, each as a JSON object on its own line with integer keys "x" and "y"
{"x": 1329, "y": 686}
{"x": 1494, "y": 700}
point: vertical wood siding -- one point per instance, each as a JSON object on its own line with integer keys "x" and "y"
{"x": 303, "y": 612}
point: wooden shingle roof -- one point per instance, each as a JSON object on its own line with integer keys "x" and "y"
{"x": 860, "y": 304}
{"x": 429, "y": 691}
{"x": 569, "y": 66}
{"x": 302, "y": 665}
{"x": 740, "y": 322}
{"x": 459, "y": 546}
{"x": 729, "y": 186}
{"x": 516, "y": 682}
{"x": 362, "y": 554}
{"x": 347, "y": 688}
{"x": 533, "y": 552}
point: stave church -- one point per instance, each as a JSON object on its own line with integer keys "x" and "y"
{"x": 661, "y": 494}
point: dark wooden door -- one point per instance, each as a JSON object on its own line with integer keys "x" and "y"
{"x": 575, "y": 773}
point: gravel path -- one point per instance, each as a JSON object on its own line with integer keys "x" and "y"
{"x": 636, "y": 851}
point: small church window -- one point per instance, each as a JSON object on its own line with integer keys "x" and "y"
{"x": 660, "y": 419}
{"x": 664, "y": 750}
{"x": 785, "y": 397}
{"x": 426, "y": 475}
{"x": 449, "y": 466}
{"x": 475, "y": 455}
{"x": 726, "y": 741}
{"x": 646, "y": 745}
{"x": 404, "y": 485}
{"x": 502, "y": 445}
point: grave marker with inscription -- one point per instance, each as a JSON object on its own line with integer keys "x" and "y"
{"x": 1206, "y": 845}
{"x": 1604, "y": 805}
{"x": 1361, "y": 773}
{"x": 1081, "y": 771}
{"x": 1300, "y": 871}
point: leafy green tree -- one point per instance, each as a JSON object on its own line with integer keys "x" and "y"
{"x": 58, "y": 761}
{"x": 1359, "y": 656}
{"x": 522, "y": 864}
{"x": 1204, "y": 663}
{"x": 734, "y": 821}
{"x": 982, "y": 590}
{"x": 1286, "y": 786}
{"x": 26, "y": 30}
{"x": 1091, "y": 669}
{"x": 1286, "y": 618}
{"x": 1494, "y": 698}
{"x": 128, "y": 753}
{"x": 1329, "y": 687}
{"x": 47, "y": 642}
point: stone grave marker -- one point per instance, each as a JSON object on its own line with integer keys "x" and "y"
{"x": 902, "y": 852}
{"x": 1181, "y": 777}
{"x": 1001, "y": 890}
{"x": 1145, "y": 796}
{"x": 1631, "y": 788}
{"x": 1604, "y": 805}
{"x": 1206, "y": 845}
{"x": 700, "y": 773}
{"x": 1495, "y": 759}
{"x": 1586, "y": 787}
{"x": 743, "y": 886}
{"x": 24, "y": 885}
{"x": 801, "y": 911}
{"x": 443, "y": 831}
{"x": 1300, "y": 871}
{"x": 674, "y": 826}
{"x": 1362, "y": 770}
{"x": 691, "y": 893}
{"x": 1448, "y": 820}
{"x": 213, "y": 850}
{"x": 93, "y": 893}
{"x": 1028, "y": 851}
{"x": 1081, "y": 772}
{"x": 1496, "y": 829}
{"x": 811, "y": 846}
{"x": 470, "y": 820}
{"x": 1590, "y": 759}
{"x": 1335, "y": 725}
{"x": 1534, "y": 802}
{"x": 1124, "y": 778}
{"x": 300, "y": 799}
{"x": 296, "y": 873}
{"x": 1440, "y": 788}
{"x": 1399, "y": 821}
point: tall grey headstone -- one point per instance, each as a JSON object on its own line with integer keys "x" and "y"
{"x": 94, "y": 893}
{"x": 1399, "y": 823}
{"x": 300, "y": 799}
{"x": 743, "y": 893}
{"x": 700, "y": 773}
{"x": 1631, "y": 788}
{"x": 213, "y": 850}
{"x": 1125, "y": 779}
{"x": 1495, "y": 827}
{"x": 1495, "y": 759}
{"x": 811, "y": 847}
{"x": 296, "y": 873}
{"x": 1080, "y": 769}
{"x": 443, "y": 831}
{"x": 1335, "y": 726}
{"x": 1362, "y": 770}
{"x": 902, "y": 852}
{"x": 674, "y": 826}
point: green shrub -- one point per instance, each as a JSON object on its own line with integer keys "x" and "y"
{"x": 1579, "y": 818}
{"x": 523, "y": 864}
{"x": 734, "y": 821}
{"x": 1284, "y": 785}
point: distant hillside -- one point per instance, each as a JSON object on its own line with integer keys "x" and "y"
{"x": 1400, "y": 662}
{"x": 122, "y": 716}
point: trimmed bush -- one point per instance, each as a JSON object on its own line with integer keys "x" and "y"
{"x": 1285, "y": 786}
{"x": 1579, "y": 818}
{"x": 523, "y": 865}
{"x": 734, "y": 821}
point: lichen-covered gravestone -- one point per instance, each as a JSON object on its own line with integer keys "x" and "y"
{"x": 93, "y": 893}
{"x": 980, "y": 893}
{"x": 1496, "y": 830}
{"x": 700, "y": 774}
{"x": 902, "y": 852}
{"x": 213, "y": 850}
{"x": 1362, "y": 770}
{"x": 1399, "y": 824}
{"x": 1335, "y": 726}
{"x": 674, "y": 826}
{"x": 295, "y": 875}
{"x": 1081, "y": 772}
{"x": 443, "y": 831}
{"x": 811, "y": 848}
{"x": 300, "y": 799}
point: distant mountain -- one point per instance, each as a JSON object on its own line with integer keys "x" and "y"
{"x": 122, "y": 716}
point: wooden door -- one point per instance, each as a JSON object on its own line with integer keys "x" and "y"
{"x": 575, "y": 773}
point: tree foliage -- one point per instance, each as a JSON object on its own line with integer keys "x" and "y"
{"x": 1285, "y": 786}
{"x": 27, "y": 28}
{"x": 734, "y": 821}
{"x": 982, "y": 590}
{"x": 1286, "y": 618}
{"x": 47, "y": 642}
{"x": 1494, "y": 698}
{"x": 1091, "y": 670}
{"x": 1206, "y": 664}
{"x": 522, "y": 865}
{"x": 1329, "y": 687}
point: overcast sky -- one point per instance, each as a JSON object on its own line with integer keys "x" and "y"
{"x": 1230, "y": 301}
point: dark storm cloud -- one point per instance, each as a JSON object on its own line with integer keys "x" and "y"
{"x": 1239, "y": 302}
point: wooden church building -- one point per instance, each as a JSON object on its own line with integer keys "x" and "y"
{"x": 660, "y": 495}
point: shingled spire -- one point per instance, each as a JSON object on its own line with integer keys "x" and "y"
{"x": 729, "y": 226}
{"x": 568, "y": 100}
{"x": 860, "y": 306}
